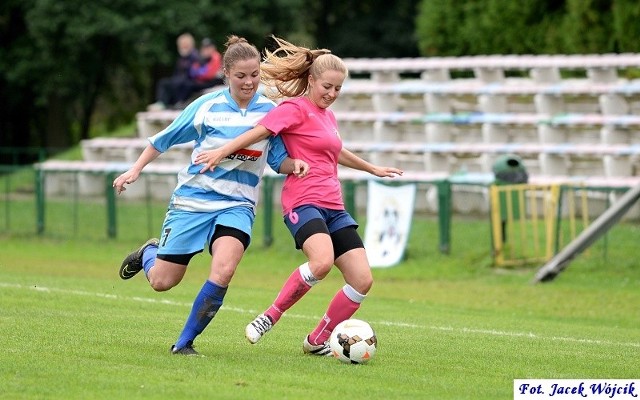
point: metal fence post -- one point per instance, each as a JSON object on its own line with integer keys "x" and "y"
{"x": 444, "y": 215}
{"x": 267, "y": 209}
{"x": 111, "y": 205}
{"x": 350, "y": 197}
{"x": 40, "y": 200}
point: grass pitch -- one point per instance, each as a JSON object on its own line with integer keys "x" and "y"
{"x": 449, "y": 327}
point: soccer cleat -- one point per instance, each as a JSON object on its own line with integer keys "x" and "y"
{"x": 317, "y": 350}
{"x": 132, "y": 264}
{"x": 187, "y": 350}
{"x": 258, "y": 327}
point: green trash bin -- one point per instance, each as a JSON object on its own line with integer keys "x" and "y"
{"x": 508, "y": 169}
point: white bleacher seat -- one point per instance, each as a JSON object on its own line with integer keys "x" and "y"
{"x": 128, "y": 150}
{"x": 552, "y": 133}
{"x": 88, "y": 179}
{"x": 437, "y": 132}
{"x": 616, "y": 135}
{"x": 602, "y": 74}
{"x": 552, "y": 158}
{"x": 493, "y": 133}
{"x": 549, "y": 104}
{"x": 617, "y": 166}
{"x": 489, "y": 74}
{"x": 613, "y": 104}
{"x": 545, "y": 75}
{"x": 435, "y": 75}
{"x": 503, "y": 100}
{"x": 507, "y": 62}
{"x": 492, "y": 103}
{"x": 151, "y": 122}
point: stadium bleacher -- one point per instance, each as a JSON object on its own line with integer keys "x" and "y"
{"x": 570, "y": 117}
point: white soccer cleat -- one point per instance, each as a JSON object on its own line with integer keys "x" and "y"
{"x": 317, "y": 350}
{"x": 258, "y": 327}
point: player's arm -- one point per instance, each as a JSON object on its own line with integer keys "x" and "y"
{"x": 211, "y": 158}
{"x": 279, "y": 160}
{"x": 294, "y": 166}
{"x": 350, "y": 160}
{"x": 149, "y": 154}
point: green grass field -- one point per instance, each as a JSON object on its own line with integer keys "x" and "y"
{"x": 449, "y": 327}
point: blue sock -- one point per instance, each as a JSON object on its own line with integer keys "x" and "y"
{"x": 149, "y": 258}
{"x": 205, "y": 307}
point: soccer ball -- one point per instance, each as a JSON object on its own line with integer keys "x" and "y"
{"x": 353, "y": 342}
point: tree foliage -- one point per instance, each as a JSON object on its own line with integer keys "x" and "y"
{"x": 473, "y": 27}
{"x": 61, "y": 57}
{"x": 374, "y": 28}
{"x": 67, "y": 64}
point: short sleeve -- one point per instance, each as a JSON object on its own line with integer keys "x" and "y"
{"x": 285, "y": 117}
{"x": 277, "y": 153}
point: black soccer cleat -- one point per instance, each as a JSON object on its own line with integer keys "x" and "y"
{"x": 132, "y": 264}
{"x": 187, "y": 350}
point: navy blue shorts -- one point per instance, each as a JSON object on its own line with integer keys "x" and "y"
{"x": 324, "y": 221}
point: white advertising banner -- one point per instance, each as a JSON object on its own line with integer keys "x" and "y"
{"x": 389, "y": 214}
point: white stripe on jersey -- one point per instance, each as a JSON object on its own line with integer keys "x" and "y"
{"x": 212, "y": 120}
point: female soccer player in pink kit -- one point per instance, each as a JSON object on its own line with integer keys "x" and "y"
{"x": 313, "y": 207}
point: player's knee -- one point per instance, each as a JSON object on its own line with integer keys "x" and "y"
{"x": 223, "y": 273}
{"x": 161, "y": 284}
{"x": 365, "y": 285}
{"x": 320, "y": 267}
{"x": 361, "y": 283}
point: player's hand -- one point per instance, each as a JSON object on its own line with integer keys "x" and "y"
{"x": 386, "y": 172}
{"x": 300, "y": 168}
{"x": 209, "y": 159}
{"x": 126, "y": 178}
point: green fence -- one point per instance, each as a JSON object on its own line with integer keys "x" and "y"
{"x": 28, "y": 209}
{"x": 349, "y": 193}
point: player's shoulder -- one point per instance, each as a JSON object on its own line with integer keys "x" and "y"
{"x": 213, "y": 95}
{"x": 212, "y": 101}
{"x": 264, "y": 100}
{"x": 289, "y": 105}
{"x": 261, "y": 103}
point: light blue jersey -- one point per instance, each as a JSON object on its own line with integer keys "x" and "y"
{"x": 211, "y": 121}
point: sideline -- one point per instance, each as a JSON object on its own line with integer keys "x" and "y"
{"x": 472, "y": 331}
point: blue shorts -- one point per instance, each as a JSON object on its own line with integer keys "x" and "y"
{"x": 187, "y": 232}
{"x": 333, "y": 219}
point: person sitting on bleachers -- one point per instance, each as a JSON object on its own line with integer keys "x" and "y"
{"x": 204, "y": 73}
{"x": 168, "y": 88}
{"x": 207, "y": 71}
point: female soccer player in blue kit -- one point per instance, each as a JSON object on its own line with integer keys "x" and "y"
{"x": 217, "y": 207}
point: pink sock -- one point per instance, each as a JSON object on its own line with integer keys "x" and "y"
{"x": 340, "y": 309}
{"x": 294, "y": 288}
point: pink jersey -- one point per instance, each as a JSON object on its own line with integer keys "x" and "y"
{"x": 311, "y": 134}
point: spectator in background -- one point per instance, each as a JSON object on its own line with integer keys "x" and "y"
{"x": 167, "y": 89}
{"x": 204, "y": 73}
{"x": 207, "y": 71}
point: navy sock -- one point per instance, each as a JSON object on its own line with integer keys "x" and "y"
{"x": 205, "y": 307}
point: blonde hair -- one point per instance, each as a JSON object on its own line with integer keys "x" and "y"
{"x": 285, "y": 71}
{"x": 238, "y": 49}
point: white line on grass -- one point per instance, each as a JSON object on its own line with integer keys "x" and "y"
{"x": 475, "y": 331}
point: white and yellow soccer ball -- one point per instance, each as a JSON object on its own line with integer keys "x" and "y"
{"x": 353, "y": 342}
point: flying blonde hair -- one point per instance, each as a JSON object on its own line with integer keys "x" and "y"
{"x": 285, "y": 71}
